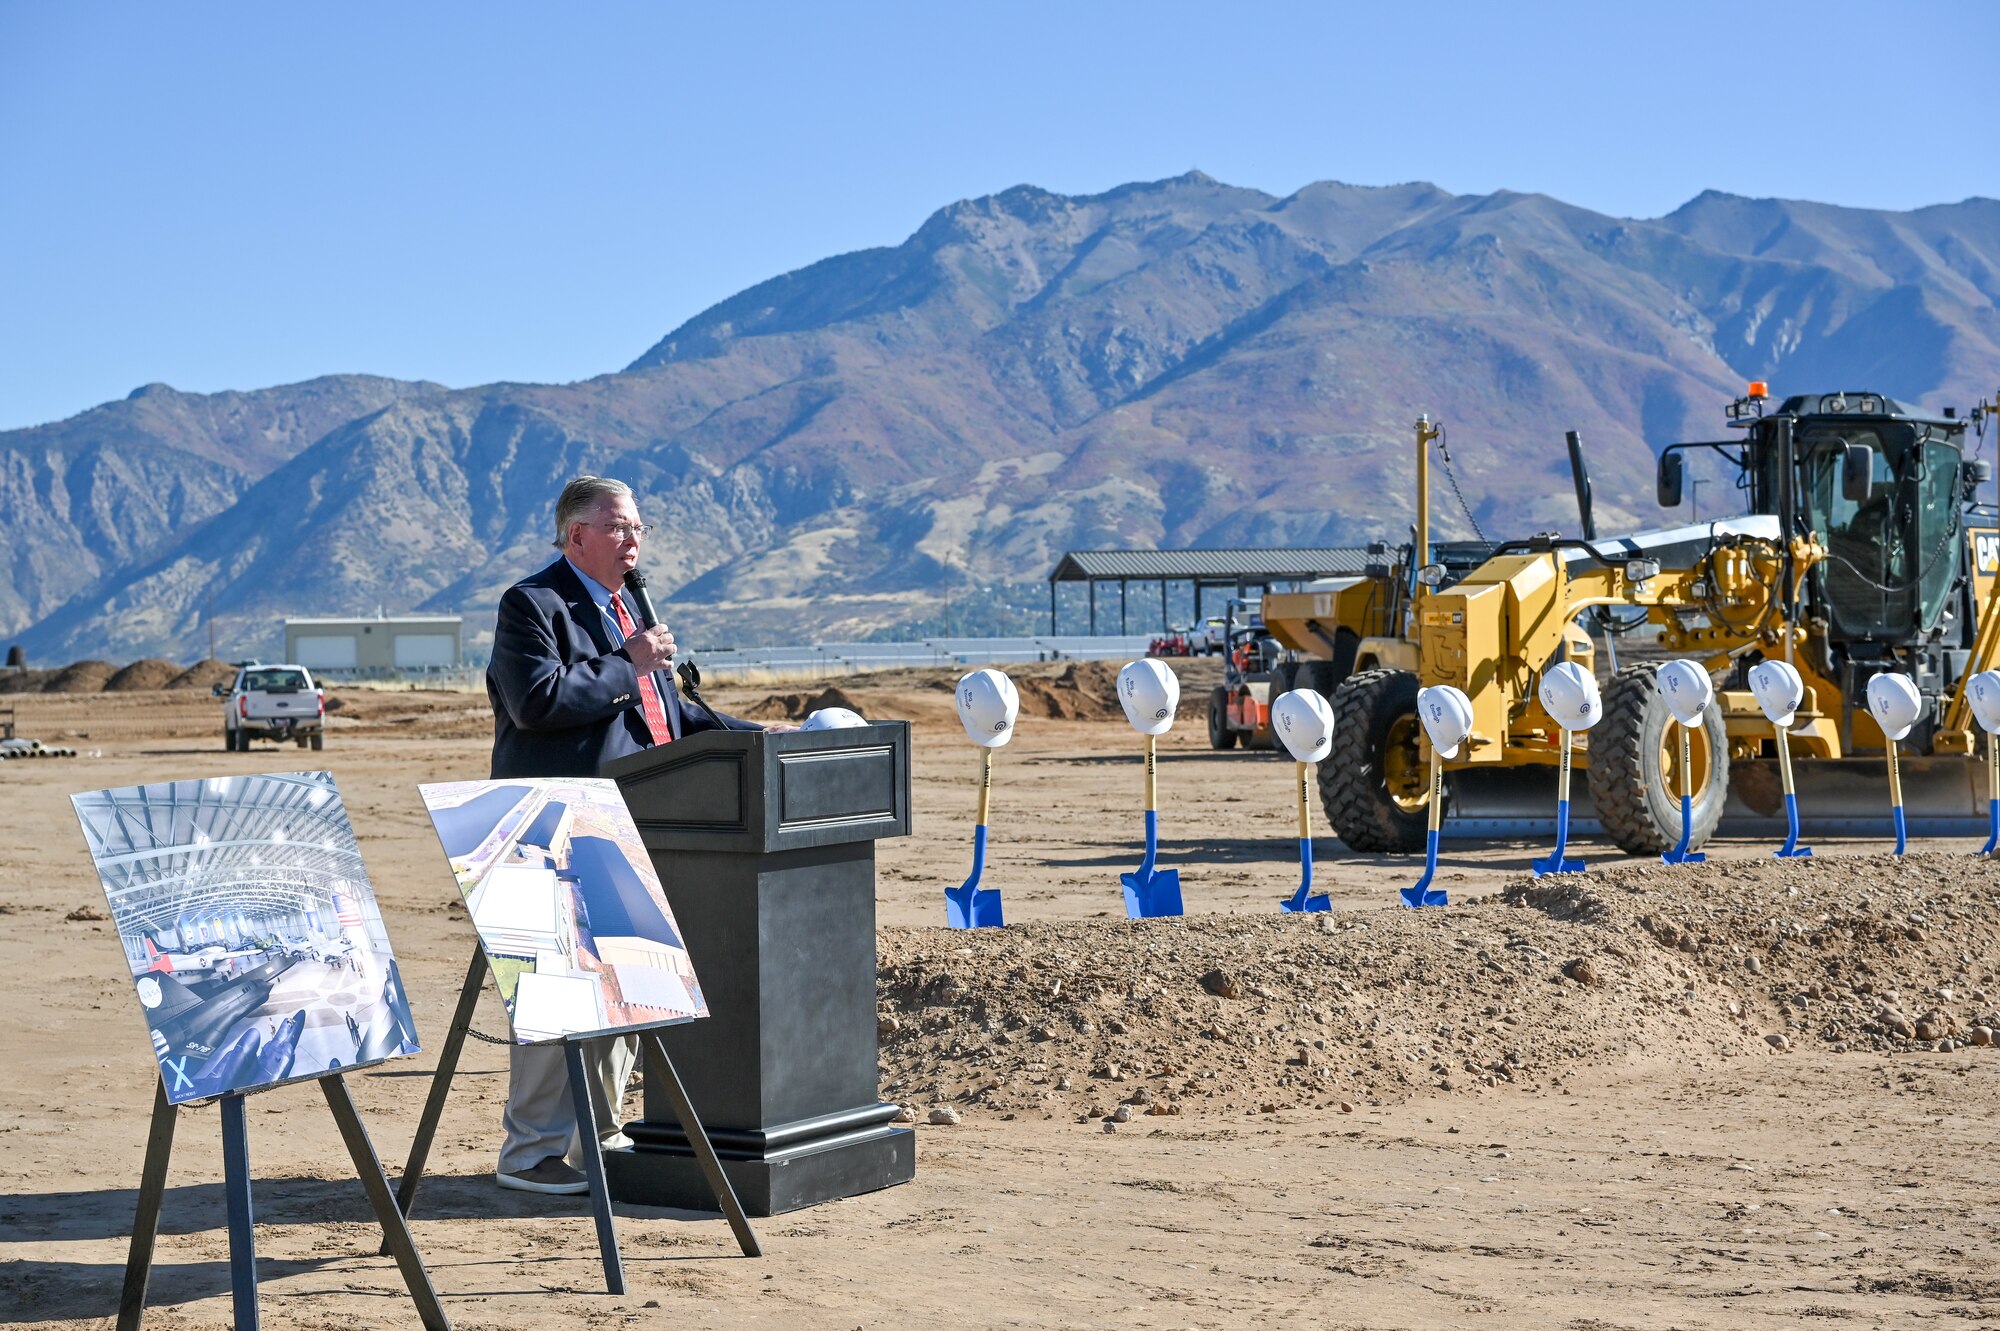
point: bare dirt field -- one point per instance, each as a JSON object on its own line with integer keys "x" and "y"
{"x": 1741, "y": 1095}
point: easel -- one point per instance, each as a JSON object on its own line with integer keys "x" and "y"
{"x": 236, "y": 1194}
{"x": 586, "y": 1125}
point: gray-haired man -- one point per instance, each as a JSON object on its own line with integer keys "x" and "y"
{"x": 575, "y": 682}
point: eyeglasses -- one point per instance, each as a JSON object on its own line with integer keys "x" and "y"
{"x": 620, "y": 530}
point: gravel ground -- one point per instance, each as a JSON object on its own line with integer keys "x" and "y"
{"x": 1526, "y": 986}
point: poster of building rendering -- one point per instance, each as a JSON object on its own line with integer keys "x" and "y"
{"x": 578, "y": 933}
{"x": 256, "y": 949}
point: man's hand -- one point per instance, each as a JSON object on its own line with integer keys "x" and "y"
{"x": 651, "y": 649}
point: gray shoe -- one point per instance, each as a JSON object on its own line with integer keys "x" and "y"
{"x": 552, "y": 1175}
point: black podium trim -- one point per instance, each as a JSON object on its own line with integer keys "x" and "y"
{"x": 751, "y": 1143}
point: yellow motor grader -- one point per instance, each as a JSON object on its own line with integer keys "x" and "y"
{"x": 1862, "y": 550}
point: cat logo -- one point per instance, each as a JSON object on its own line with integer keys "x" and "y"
{"x": 1986, "y": 552}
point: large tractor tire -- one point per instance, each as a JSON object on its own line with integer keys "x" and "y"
{"x": 1319, "y": 676}
{"x": 1220, "y": 736}
{"x": 1374, "y": 784}
{"x": 1635, "y": 767}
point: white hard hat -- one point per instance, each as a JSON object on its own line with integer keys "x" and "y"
{"x": 1447, "y": 716}
{"x": 1687, "y": 689}
{"x": 1895, "y": 702}
{"x": 1150, "y": 692}
{"x": 987, "y": 706}
{"x": 1984, "y": 689}
{"x": 1778, "y": 689}
{"x": 1304, "y": 721}
{"x": 1569, "y": 693}
{"x": 834, "y": 718}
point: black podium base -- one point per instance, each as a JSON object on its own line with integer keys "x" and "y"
{"x": 768, "y": 1181}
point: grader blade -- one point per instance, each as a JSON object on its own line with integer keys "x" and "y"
{"x": 1942, "y": 797}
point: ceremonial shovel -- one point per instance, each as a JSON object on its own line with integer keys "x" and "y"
{"x": 1446, "y": 714}
{"x": 1150, "y": 892}
{"x": 970, "y": 906}
{"x": 987, "y": 706}
{"x": 1895, "y": 703}
{"x": 1303, "y": 720}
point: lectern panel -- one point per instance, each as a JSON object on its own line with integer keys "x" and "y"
{"x": 752, "y": 792}
{"x": 781, "y": 914}
{"x": 703, "y": 793}
{"x": 848, "y": 788}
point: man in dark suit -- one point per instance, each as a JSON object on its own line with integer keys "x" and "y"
{"x": 575, "y": 682}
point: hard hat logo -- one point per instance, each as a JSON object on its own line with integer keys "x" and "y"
{"x": 1985, "y": 691}
{"x": 1304, "y": 722}
{"x": 1778, "y": 689}
{"x": 1447, "y": 718}
{"x": 834, "y": 718}
{"x": 987, "y": 706}
{"x": 1149, "y": 692}
{"x": 1569, "y": 694}
{"x": 1895, "y": 703}
{"x": 1687, "y": 689}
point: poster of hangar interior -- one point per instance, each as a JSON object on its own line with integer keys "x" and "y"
{"x": 254, "y": 941}
{"x": 578, "y": 933}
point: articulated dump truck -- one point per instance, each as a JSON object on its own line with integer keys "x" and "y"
{"x": 1865, "y": 549}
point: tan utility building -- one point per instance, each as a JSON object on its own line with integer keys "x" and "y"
{"x": 391, "y": 642}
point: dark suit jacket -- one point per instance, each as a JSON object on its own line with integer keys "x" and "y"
{"x": 565, "y": 703}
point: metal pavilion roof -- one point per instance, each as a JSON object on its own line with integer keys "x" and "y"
{"x": 253, "y": 844}
{"x": 1219, "y": 566}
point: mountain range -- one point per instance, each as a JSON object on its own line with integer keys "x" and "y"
{"x": 835, "y": 451}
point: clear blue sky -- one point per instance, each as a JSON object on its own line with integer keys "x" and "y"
{"x": 233, "y": 196}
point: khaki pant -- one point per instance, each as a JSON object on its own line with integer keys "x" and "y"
{"x": 540, "y": 1119}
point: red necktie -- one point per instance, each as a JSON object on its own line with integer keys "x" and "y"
{"x": 649, "y": 692}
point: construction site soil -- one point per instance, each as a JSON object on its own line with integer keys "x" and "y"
{"x": 1747, "y": 1093}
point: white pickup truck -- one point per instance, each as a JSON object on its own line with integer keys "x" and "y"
{"x": 277, "y": 702}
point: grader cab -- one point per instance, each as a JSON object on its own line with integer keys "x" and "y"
{"x": 1862, "y": 552}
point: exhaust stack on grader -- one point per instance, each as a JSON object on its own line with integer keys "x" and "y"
{"x": 1859, "y": 555}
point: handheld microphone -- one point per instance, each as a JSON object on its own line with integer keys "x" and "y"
{"x": 635, "y": 586}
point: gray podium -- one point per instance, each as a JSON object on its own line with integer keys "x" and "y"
{"x": 766, "y": 847}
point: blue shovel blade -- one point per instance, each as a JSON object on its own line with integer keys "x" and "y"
{"x": 1423, "y": 894}
{"x": 1555, "y": 864}
{"x": 969, "y": 906}
{"x": 976, "y": 908}
{"x": 1681, "y": 854}
{"x": 1150, "y": 896}
{"x": 1303, "y": 901}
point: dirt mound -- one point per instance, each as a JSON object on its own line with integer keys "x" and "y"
{"x": 798, "y": 706}
{"x": 146, "y": 676}
{"x": 23, "y": 681}
{"x": 1268, "y": 1013}
{"x": 80, "y": 677}
{"x": 1084, "y": 691}
{"x": 203, "y": 675}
